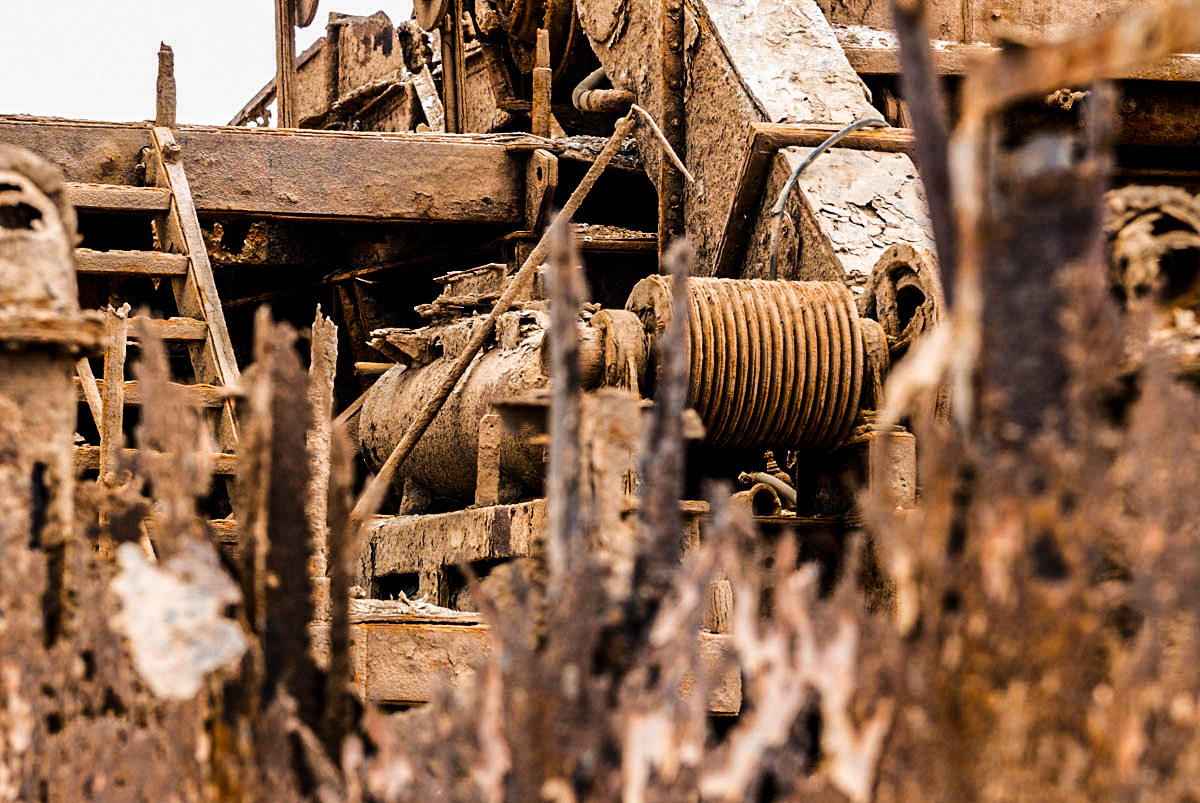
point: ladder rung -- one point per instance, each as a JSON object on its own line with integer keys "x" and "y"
{"x": 202, "y": 395}
{"x": 134, "y": 263}
{"x": 188, "y": 329}
{"x": 87, "y": 458}
{"x": 119, "y": 198}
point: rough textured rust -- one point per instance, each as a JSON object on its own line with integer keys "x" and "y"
{"x": 1007, "y": 610}
{"x": 444, "y": 457}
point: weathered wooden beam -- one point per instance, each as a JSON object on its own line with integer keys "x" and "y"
{"x": 285, "y": 62}
{"x": 952, "y": 58}
{"x": 112, "y": 392}
{"x": 87, "y": 458}
{"x": 202, "y": 395}
{"x": 401, "y": 663}
{"x": 134, "y": 263}
{"x": 164, "y": 110}
{"x": 118, "y": 198}
{"x": 305, "y": 174}
{"x": 179, "y": 329}
{"x": 785, "y": 135}
{"x": 405, "y": 544}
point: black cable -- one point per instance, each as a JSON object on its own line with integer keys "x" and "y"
{"x": 777, "y": 210}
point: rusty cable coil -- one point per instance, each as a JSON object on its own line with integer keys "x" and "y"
{"x": 773, "y": 363}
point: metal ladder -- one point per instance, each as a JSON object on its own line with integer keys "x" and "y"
{"x": 181, "y": 259}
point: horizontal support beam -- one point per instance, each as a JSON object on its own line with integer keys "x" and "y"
{"x": 131, "y": 263}
{"x": 118, "y": 198}
{"x": 401, "y": 664}
{"x": 187, "y": 330}
{"x": 87, "y": 458}
{"x": 404, "y": 544}
{"x": 770, "y": 137}
{"x": 305, "y": 174}
{"x": 200, "y": 395}
{"x": 882, "y": 57}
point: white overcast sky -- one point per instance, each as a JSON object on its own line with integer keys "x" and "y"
{"x": 97, "y": 59}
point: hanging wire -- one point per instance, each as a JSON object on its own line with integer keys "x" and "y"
{"x": 777, "y": 210}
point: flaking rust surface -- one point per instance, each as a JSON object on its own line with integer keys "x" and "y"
{"x": 734, "y": 53}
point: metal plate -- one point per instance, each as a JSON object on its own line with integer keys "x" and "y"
{"x": 429, "y": 13}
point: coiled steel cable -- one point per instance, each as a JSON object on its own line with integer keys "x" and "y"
{"x": 772, "y": 363}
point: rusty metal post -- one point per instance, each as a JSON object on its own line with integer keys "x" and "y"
{"x": 333, "y": 64}
{"x": 285, "y": 62}
{"x": 542, "y": 76}
{"x": 670, "y": 179}
{"x": 453, "y": 67}
{"x": 43, "y": 333}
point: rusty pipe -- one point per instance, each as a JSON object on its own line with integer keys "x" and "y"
{"x": 588, "y": 98}
{"x": 762, "y": 500}
{"x": 786, "y": 492}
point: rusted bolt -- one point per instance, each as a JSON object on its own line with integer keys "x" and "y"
{"x": 674, "y": 200}
{"x": 172, "y": 153}
{"x": 676, "y": 46}
{"x": 676, "y": 122}
{"x": 1129, "y": 105}
{"x": 675, "y": 83}
{"x": 997, "y": 13}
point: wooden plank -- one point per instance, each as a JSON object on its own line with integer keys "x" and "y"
{"x": 285, "y": 62}
{"x": 401, "y": 663}
{"x": 952, "y": 58}
{"x": 130, "y": 263}
{"x": 91, "y": 391}
{"x": 99, "y": 153}
{"x": 112, "y": 391}
{"x": 118, "y": 198}
{"x": 403, "y": 544}
{"x": 179, "y": 329}
{"x": 311, "y": 174}
{"x": 783, "y": 135}
{"x": 196, "y": 293}
{"x": 330, "y": 175}
{"x": 199, "y": 300}
{"x": 87, "y": 458}
{"x": 200, "y": 395}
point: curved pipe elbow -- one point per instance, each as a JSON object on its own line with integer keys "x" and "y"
{"x": 587, "y": 98}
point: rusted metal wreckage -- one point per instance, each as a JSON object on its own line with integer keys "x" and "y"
{"x": 420, "y": 166}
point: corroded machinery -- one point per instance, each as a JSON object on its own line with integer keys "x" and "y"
{"x": 485, "y": 132}
{"x": 776, "y": 365}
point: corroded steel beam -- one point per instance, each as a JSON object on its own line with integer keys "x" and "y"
{"x": 330, "y": 175}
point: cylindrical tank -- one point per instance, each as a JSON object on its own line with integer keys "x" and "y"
{"x": 444, "y": 460}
